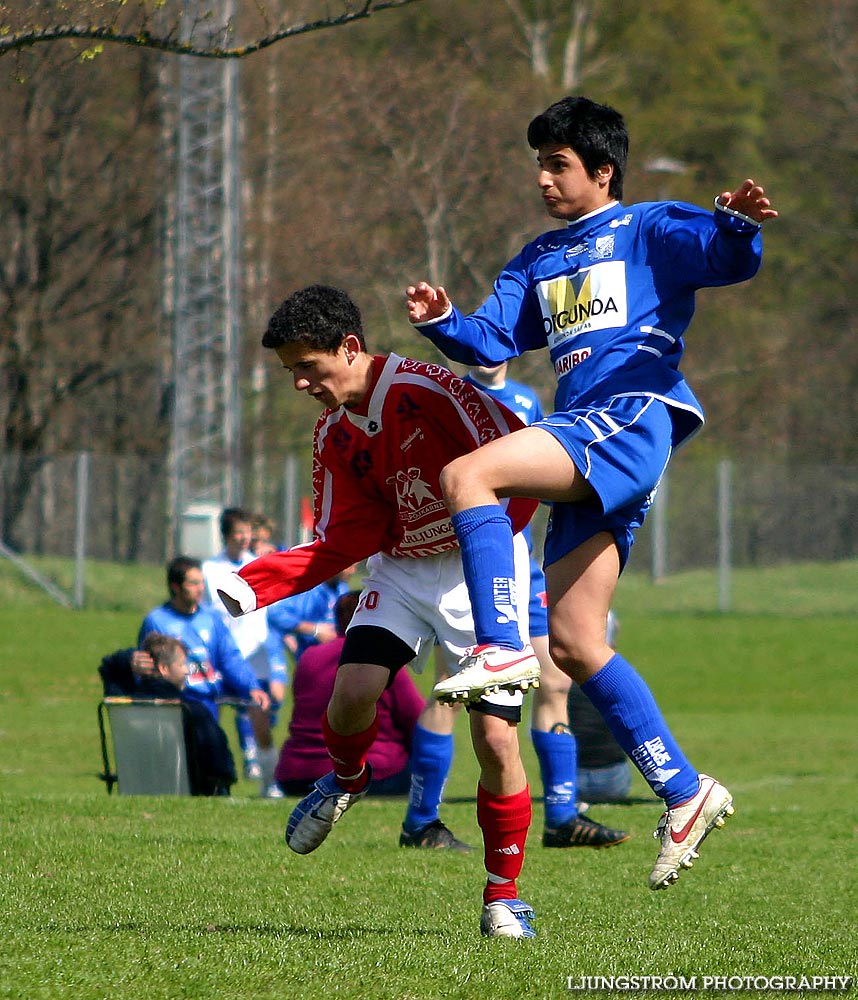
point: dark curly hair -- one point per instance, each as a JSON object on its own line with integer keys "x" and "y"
{"x": 596, "y": 132}
{"x": 318, "y": 316}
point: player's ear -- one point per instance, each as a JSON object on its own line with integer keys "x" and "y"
{"x": 605, "y": 173}
{"x": 351, "y": 345}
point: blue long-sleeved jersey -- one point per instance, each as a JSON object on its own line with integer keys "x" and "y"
{"x": 215, "y": 664}
{"x": 315, "y": 605}
{"x": 610, "y": 296}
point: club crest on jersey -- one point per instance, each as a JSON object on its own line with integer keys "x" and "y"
{"x": 412, "y": 491}
{"x": 604, "y": 247}
{"x": 594, "y": 298}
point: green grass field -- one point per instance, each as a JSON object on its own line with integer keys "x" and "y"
{"x": 147, "y": 899}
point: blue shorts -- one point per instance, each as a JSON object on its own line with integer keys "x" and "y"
{"x": 538, "y": 609}
{"x": 622, "y": 450}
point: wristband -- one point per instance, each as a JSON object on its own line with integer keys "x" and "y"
{"x": 742, "y": 222}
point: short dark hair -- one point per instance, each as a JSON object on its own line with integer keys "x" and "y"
{"x": 177, "y": 569}
{"x": 596, "y": 132}
{"x": 318, "y": 316}
{"x": 231, "y": 517}
{"x": 344, "y": 609}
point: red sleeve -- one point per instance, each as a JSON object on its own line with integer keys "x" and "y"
{"x": 283, "y": 574}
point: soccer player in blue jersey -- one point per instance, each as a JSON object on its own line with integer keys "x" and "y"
{"x": 307, "y": 619}
{"x": 610, "y": 296}
{"x": 216, "y": 667}
{"x": 553, "y": 741}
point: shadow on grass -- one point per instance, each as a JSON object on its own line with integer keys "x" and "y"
{"x": 342, "y": 933}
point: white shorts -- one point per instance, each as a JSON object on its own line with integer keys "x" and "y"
{"x": 425, "y": 602}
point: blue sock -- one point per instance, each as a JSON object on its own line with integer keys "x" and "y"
{"x": 244, "y": 729}
{"x": 626, "y": 704}
{"x": 557, "y": 754}
{"x": 485, "y": 538}
{"x": 431, "y": 758}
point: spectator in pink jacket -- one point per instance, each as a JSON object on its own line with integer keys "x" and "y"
{"x": 304, "y": 757}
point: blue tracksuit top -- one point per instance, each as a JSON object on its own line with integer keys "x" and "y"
{"x": 216, "y": 668}
{"x": 610, "y": 296}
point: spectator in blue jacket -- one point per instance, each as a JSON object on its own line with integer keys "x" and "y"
{"x": 216, "y": 668}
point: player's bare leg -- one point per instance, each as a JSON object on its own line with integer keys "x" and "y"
{"x": 529, "y": 462}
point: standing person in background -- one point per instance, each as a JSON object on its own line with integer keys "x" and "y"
{"x": 261, "y": 535}
{"x": 610, "y": 297}
{"x": 553, "y": 740}
{"x": 259, "y": 645}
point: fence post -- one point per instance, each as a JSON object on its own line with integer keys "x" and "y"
{"x": 659, "y": 531}
{"x": 82, "y": 499}
{"x": 725, "y": 509}
{"x": 290, "y": 501}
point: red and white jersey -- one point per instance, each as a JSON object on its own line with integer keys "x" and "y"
{"x": 376, "y": 475}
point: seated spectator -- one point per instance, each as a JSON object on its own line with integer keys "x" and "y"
{"x": 211, "y": 768}
{"x": 304, "y": 757}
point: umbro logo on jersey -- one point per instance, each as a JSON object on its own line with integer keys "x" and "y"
{"x": 575, "y": 251}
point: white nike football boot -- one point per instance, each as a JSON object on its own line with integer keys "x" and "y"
{"x": 683, "y": 829}
{"x": 508, "y": 918}
{"x": 487, "y": 669}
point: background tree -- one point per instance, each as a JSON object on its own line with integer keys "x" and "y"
{"x": 393, "y": 150}
{"x": 78, "y": 348}
{"x": 162, "y": 25}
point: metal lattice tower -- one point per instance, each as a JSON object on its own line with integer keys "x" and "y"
{"x": 204, "y": 278}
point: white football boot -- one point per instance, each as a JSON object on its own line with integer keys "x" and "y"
{"x": 487, "y": 669}
{"x": 508, "y": 918}
{"x": 683, "y": 828}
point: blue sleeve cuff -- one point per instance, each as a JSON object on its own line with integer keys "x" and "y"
{"x": 730, "y": 221}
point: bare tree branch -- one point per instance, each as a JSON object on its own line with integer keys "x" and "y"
{"x": 170, "y": 40}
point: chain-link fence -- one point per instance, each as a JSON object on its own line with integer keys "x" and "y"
{"x": 709, "y": 514}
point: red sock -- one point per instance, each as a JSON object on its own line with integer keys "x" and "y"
{"x": 348, "y": 754}
{"x": 504, "y": 820}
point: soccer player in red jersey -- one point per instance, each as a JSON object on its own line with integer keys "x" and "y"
{"x": 389, "y": 426}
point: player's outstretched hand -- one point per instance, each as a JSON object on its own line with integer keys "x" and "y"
{"x": 425, "y": 302}
{"x": 749, "y": 199}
